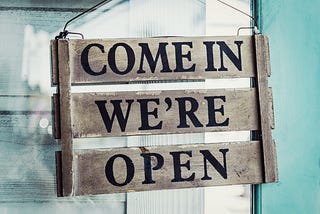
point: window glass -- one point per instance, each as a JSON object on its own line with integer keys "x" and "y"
{"x": 223, "y": 20}
{"x": 27, "y": 181}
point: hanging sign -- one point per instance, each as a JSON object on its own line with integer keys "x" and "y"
{"x": 104, "y": 114}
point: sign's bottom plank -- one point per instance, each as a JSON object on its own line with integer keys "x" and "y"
{"x": 170, "y": 167}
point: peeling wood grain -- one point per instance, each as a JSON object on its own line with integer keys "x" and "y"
{"x": 271, "y": 109}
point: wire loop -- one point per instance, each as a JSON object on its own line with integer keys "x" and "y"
{"x": 64, "y": 33}
{"x": 255, "y": 27}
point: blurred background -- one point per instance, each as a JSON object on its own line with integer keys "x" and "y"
{"x": 27, "y": 178}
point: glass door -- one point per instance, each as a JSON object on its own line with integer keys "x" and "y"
{"x": 28, "y": 147}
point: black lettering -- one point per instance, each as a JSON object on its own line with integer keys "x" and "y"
{"x": 144, "y": 114}
{"x": 146, "y": 53}
{"x": 110, "y": 174}
{"x": 117, "y": 112}
{"x": 234, "y": 59}
{"x": 177, "y": 166}
{"x": 85, "y": 60}
{"x": 147, "y": 166}
{"x": 212, "y": 111}
{"x": 180, "y": 56}
{"x": 112, "y": 58}
{"x": 210, "y": 57}
{"x": 183, "y": 112}
{"x": 215, "y": 163}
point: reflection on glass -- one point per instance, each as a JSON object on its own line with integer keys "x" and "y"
{"x": 223, "y": 20}
{"x": 27, "y": 154}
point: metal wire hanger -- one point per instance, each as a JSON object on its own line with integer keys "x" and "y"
{"x": 65, "y": 32}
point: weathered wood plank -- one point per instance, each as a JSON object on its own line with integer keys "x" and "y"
{"x": 170, "y": 167}
{"x": 164, "y": 58}
{"x": 54, "y": 62}
{"x": 65, "y": 116}
{"x": 56, "y": 116}
{"x": 59, "y": 185}
{"x": 268, "y": 146}
{"x": 163, "y": 112}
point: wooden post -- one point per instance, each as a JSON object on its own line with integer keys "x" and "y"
{"x": 65, "y": 117}
{"x": 263, "y": 71}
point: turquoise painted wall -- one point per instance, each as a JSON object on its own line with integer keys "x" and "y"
{"x": 293, "y": 28}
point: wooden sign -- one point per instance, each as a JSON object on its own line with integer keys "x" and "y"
{"x": 104, "y": 114}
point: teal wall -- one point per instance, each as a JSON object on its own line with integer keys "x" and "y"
{"x": 293, "y": 28}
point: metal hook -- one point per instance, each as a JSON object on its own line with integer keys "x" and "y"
{"x": 63, "y": 35}
{"x": 75, "y": 33}
{"x": 255, "y": 30}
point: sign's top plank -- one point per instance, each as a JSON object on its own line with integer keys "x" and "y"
{"x": 163, "y": 58}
